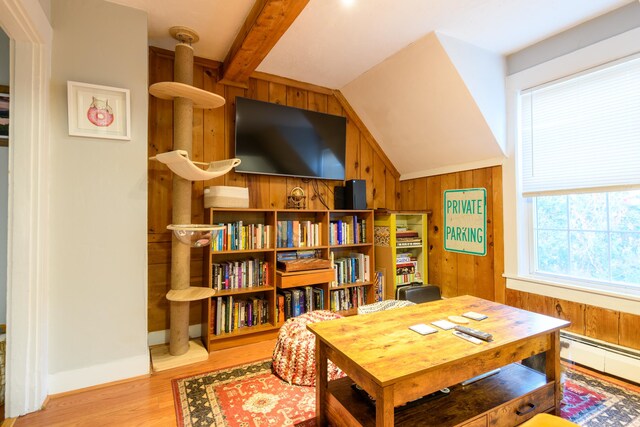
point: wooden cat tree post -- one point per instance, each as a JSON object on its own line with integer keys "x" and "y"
{"x": 181, "y": 207}
{"x": 181, "y": 350}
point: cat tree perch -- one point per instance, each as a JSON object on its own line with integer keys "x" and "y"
{"x": 179, "y": 163}
{"x": 181, "y": 351}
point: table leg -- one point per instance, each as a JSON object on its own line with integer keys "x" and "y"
{"x": 384, "y": 407}
{"x": 321, "y": 383}
{"x": 553, "y": 368}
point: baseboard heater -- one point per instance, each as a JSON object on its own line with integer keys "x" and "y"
{"x": 609, "y": 358}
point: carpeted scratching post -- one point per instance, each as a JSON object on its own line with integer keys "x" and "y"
{"x": 182, "y": 351}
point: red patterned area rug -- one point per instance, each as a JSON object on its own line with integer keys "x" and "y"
{"x": 247, "y": 395}
{"x": 252, "y": 396}
{"x": 591, "y": 401}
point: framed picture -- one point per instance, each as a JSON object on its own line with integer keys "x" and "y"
{"x": 98, "y": 111}
{"x": 4, "y": 116}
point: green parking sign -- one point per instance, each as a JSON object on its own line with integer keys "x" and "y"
{"x": 465, "y": 221}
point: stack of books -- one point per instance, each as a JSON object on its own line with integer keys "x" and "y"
{"x": 232, "y": 314}
{"x": 237, "y": 236}
{"x": 346, "y": 299}
{"x": 348, "y": 230}
{"x": 407, "y": 238}
{"x": 294, "y": 302}
{"x": 299, "y": 234}
{"x": 351, "y": 269}
{"x": 240, "y": 274}
{"x": 406, "y": 268}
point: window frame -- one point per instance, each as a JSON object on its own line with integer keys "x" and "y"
{"x": 518, "y": 211}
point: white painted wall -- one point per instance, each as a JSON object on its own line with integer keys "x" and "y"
{"x": 418, "y": 107}
{"x": 27, "y": 243}
{"x": 4, "y": 58}
{"x": 98, "y": 190}
{"x": 483, "y": 73}
{"x": 4, "y": 185}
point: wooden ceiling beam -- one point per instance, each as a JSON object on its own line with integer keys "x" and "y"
{"x": 266, "y": 23}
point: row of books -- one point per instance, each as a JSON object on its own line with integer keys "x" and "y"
{"x": 238, "y": 236}
{"x": 351, "y": 269}
{"x": 406, "y": 268}
{"x": 348, "y": 230}
{"x": 408, "y": 277}
{"x": 294, "y": 302}
{"x": 346, "y": 299}
{"x": 231, "y": 314}
{"x": 240, "y": 274}
{"x": 299, "y": 234}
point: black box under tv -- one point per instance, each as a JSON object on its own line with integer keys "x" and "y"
{"x": 355, "y": 194}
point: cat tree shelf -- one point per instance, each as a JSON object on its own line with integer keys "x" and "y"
{"x": 195, "y": 235}
{"x": 192, "y": 293}
{"x": 201, "y": 98}
{"x": 179, "y": 163}
{"x": 163, "y": 360}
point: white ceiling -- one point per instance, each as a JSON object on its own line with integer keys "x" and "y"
{"x": 217, "y": 22}
{"x": 425, "y": 76}
{"x": 330, "y": 44}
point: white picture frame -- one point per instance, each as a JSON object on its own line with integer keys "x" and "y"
{"x": 98, "y": 111}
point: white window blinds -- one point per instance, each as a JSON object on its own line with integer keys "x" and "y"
{"x": 582, "y": 133}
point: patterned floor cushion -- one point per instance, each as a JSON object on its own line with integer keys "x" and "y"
{"x": 383, "y": 305}
{"x": 294, "y": 356}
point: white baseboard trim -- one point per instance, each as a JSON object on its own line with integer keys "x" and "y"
{"x": 604, "y": 357}
{"x": 99, "y": 374}
{"x": 162, "y": 337}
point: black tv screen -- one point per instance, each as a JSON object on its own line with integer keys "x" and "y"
{"x": 273, "y": 139}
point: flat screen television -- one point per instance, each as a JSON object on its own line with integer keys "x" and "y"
{"x": 274, "y": 139}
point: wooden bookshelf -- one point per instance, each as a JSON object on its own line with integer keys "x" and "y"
{"x": 283, "y": 230}
{"x": 389, "y": 227}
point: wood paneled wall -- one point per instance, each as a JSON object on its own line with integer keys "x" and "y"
{"x": 460, "y": 274}
{"x": 213, "y": 139}
{"x": 606, "y": 325}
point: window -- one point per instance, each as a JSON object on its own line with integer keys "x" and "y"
{"x": 589, "y": 236}
{"x": 580, "y": 166}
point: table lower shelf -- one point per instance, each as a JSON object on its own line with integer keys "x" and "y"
{"x": 510, "y": 397}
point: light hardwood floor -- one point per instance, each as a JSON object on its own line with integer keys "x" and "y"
{"x": 144, "y": 401}
{"x": 148, "y": 400}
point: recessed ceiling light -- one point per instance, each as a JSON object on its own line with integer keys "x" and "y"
{"x": 348, "y": 3}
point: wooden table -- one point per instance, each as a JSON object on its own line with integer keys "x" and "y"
{"x": 395, "y": 365}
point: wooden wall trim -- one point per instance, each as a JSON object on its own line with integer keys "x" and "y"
{"x": 361, "y": 126}
{"x": 267, "y": 21}
{"x": 611, "y": 326}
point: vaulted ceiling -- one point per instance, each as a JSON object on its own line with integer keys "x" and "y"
{"x": 425, "y": 76}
